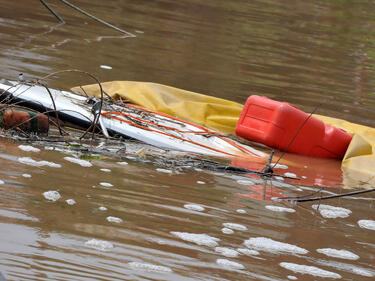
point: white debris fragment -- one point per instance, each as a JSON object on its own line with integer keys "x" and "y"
{"x": 201, "y": 182}
{"x": 52, "y": 195}
{"x": 291, "y": 277}
{"x": 123, "y": 163}
{"x": 312, "y": 270}
{"x": 81, "y": 162}
{"x": 105, "y": 66}
{"x": 105, "y": 170}
{"x": 70, "y": 201}
{"x": 114, "y": 219}
{"x": 31, "y": 162}
{"x": 106, "y": 184}
{"x": 149, "y": 267}
{"x": 331, "y": 212}
{"x": 290, "y": 175}
{"x": 28, "y": 148}
{"x": 2, "y": 182}
{"x": 200, "y": 239}
{"x": 166, "y": 171}
{"x": 230, "y": 253}
{"x": 235, "y": 226}
{"x": 229, "y": 264}
{"x": 279, "y": 166}
{"x": 99, "y": 244}
{"x": 342, "y": 254}
{"x": 26, "y": 175}
{"x": 369, "y": 224}
{"x": 279, "y": 209}
{"x": 102, "y": 208}
{"x": 241, "y": 211}
{"x": 269, "y": 245}
{"x": 227, "y": 230}
{"x": 194, "y": 207}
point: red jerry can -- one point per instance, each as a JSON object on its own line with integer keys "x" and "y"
{"x": 275, "y": 124}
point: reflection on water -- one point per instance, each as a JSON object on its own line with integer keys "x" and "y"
{"x": 136, "y": 220}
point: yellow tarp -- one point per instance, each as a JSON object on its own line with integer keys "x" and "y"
{"x": 222, "y": 115}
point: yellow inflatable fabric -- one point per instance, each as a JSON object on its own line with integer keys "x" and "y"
{"x": 222, "y": 115}
{"x": 215, "y": 113}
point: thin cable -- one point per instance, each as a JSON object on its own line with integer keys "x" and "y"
{"x": 52, "y": 11}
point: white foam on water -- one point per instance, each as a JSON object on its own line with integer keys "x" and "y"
{"x": 194, "y": 207}
{"x": 149, "y": 267}
{"x": 368, "y": 224}
{"x": 342, "y": 254}
{"x": 269, "y": 245}
{"x": 105, "y": 66}
{"x": 230, "y": 253}
{"x": 291, "y": 277}
{"x": 331, "y": 212}
{"x": 70, "y": 201}
{"x": 311, "y": 270}
{"x": 123, "y": 163}
{"x": 235, "y": 226}
{"x": 28, "y": 148}
{"x": 49, "y": 148}
{"x": 114, "y": 219}
{"x": 26, "y": 175}
{"x": 102, "y": 208}
{"x": 348, "y": 268}
{"x": 99, "y": 244}
{"x": 166, "y": 171}
{"x": 241, "y": 211}
{"x": 248, "y": 252}
{"x": 106, "y": 184}
{"x": 227, "y": 230}
{"x": 245, "y": 182}
{"x": 229, "y": 264}
{"x": 201, "y": 182}
{"x": 199, "y": 239}
{"x": 279, "y": 166}
{"x": 2, "y": 182}
{"x": 279, "y": 209}
{"x": 105, "y": 170}
{"x": 279, "y": 178}
{"x": 290, "y": 175}
{"x": 52, "y": 195}
{"x": 81, "y": 162}
{"x": 31, "y": 162}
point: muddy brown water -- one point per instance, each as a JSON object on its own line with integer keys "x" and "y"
{"x": 163, "y": 224}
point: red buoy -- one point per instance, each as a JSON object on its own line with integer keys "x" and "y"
{"x": 276, "y": 124}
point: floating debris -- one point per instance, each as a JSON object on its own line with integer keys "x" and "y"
{"x": 194, "y": 207}
{"x": 102, "y": 208}
{"x": 99, "y": 244}
{"x": 52, "y": 195}
{"x": 166, "y": 171}
{"x": 106, "y": 66}
{"x": 81, "y": 162}
{"x": 241, "y": 211}
{"x": 227, "y": 230}
{"x": 369, "y": 224}
{"x": 106, "y": 184}
{"x": 331, "y": 212}
{"x": 105, "y": 170}
{"x": 26, "y": 175}
{"x": 248, "y": 252}
{"x": 70, "y": 201}
{"x": 200, "y": 239}
{"x": 279, "y": 209}
{"x": 114, "y": 219}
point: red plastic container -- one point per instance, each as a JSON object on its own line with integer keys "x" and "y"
{"x": 275, "y": 124}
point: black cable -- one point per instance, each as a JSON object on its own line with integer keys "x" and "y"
{"x": 52, "y": 11}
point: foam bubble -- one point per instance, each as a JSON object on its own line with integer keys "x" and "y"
{"x": 194, "y": 207}
{"x": 369, "y": 224}
{"x": 290, "y": 175}
{"x": 342, "y": 254}
{"x": 331, "y": 212}
{"x": 166, "y": 171}
{"x": 26, "y": 175}
{"x": 312, "y": 270}
{"x": 2, "y": 182}
{"x": 201, "y": 182}
{"x": 241, "y": 211}
{"x": 200, "y": 239}
{"x": 105, "y": 170}
{"x": 81, "y": 162}
{"x": 229, "y": 264}
{"x": 279, "y": 209}
{"x": 52, "y": 195}
{"x": 291, "y": 277}
{"x": 269, "y": 245}
{"x": 227, "y": 230}
{"x": 114, "y": 219}
{"x": 235, "y": 226}
{"x": 31, "y": 162}
{"x": 248, "y": 252}
{"x": 28, "y": 148}
{"x": 123, "y": 163}
{"x": 70, "y": 201}
{"x": 99, "y": 244}
{"x": 102, "y": 208}
{"x": 230, "y": 253}
{"x": 106, "y": 184}
{"x": 149, "y": 267}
